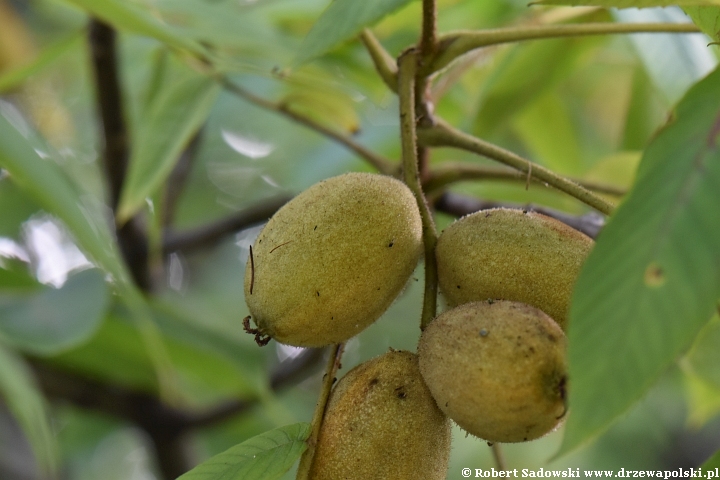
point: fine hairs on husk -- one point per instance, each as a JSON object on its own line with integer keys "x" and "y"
{"x": 497, "y": 368}
{"x": 332, "y": 260}
{"x": 381, "y": 422}
{"x": 514, "y": 255}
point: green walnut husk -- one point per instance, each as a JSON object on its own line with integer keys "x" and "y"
{"x": 333, "y": 259}
{"x": 381, "y": 422}
{"x": 497, "y": 369}
{"x": 511, "y": 255}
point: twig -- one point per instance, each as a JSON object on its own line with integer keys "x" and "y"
{"x": 460, "y": 205}
{"x": 110, "y": 105}
{"x": 164, "y": 424}
{"x": 383, "y": 61}
{"x": 206, "y": 235}
{"x": 406, "y": 91}
{"x": 428, "y": 36}
{"x": 381, "y": 163}
{"x": 444, "y": 135}
{"x": 455, "y": 44}
{"x": 448, "y": 173}
{"x": 303, "y": 472}
{"x": 132, "y": 238}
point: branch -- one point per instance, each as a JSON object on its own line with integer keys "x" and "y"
{"x": 406, "y": 91}
{"x": 384, "y": 63}
{"x": 333, "y": 365}
{"x": 428, "y": 36}
{"x": 453, "y": 45}
{"x": 444, "y": 135}
{"x": 460, "y": 205}
{"x": 451, "y": 172}
{"x": 110, "y": 104}
{"x": 164, "y": 424}
{"x": 381, "y": 163}
{"x": 132, "y": 238}
{"x": 209, "y": 234}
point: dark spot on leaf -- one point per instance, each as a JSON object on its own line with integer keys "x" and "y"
{"x": 483, "y": 333}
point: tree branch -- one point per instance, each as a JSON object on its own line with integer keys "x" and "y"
{"x": 213, "y": 232}
{"x": 381, "y": 163}
{"x": 165, "y": 425}
{"x": 384, "y": 63}
{"x": 444, "y": 135}
{"x": 407, "y": 64}
{"x": 448, "y": 173}
{"x": 455, "y": 44}
{"x": 460, "y": 205}
{"x": 132, "y": 238}
{"x": 428, "y": 36}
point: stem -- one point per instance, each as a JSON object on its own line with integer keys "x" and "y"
{"x": 455, "y": 44}
{"x": 444, "y": 135}
{"x": 452, "y": 172}
{"x": 384, "y": 63}
{"x": 333, "y": 365}
{"x": 131, "y": 236}
{"x": 498, "y": 456}
{"x": 110, "y": 106}
{"x": 205, "y": 235}
{"x": 428, "y": 37}
{"x": 381, "y": 163}
{"x": 406, "y": 91}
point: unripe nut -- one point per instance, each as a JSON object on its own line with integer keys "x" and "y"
{"x": 333, "y": 259}
{"x": 382, "y": 422}
{"x": 511, "y": 255}
{"x": 497, "y": 369}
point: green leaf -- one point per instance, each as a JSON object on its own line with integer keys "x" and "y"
{"x": 53, "y": 320}
{"x": 707, "y": 19}
{"x": 652, "y": 280}
{"x": 15, "y": 77}
{"x": 629, "y": 3}
{"x": 712, "y": 463}
{"x": 342, "y": 20}
{"x": 27, "y": 404}
{"x": 264, "y": 457}
{"x": 128, "y": 16}
{"x": 509, "y": 89}
{"x": 51, "y": 188}
{"x": 168, "y": 125}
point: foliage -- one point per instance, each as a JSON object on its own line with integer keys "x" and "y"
{"x": 228, "y": 108}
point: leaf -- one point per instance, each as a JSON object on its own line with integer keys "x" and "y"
{"x": 171, "y": 121}
{"x": 50, "y": 187}
{"x": 127, "y": 16}
{"x": 27, "y": 404}
{"x": 509, "y": 89}
{"x": 15, "y": 77}
{"x": 707, "y": 19}
{"x": 652, "y": 280}
{"x": 673, "y": 62}
{"x": 628, "y": 3}
{"x": 264, "y": 457}
{"x": 342, "y": 20}
{"x": 712, "y": 463}
{"x": 53, "y": 320}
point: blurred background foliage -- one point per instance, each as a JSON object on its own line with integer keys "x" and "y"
{"x": 77, "y": 377}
